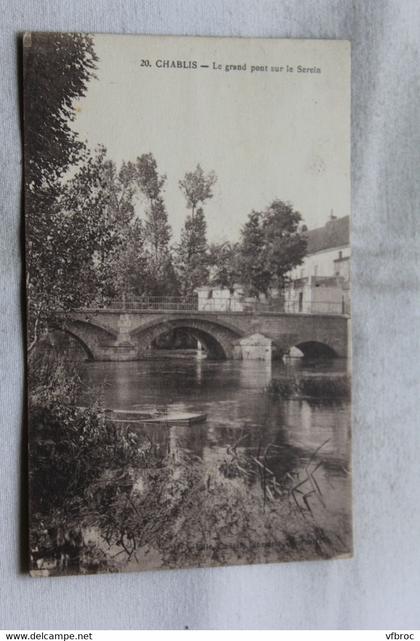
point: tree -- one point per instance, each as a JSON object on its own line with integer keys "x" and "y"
{"x": 57, "y": 69}
{"x": 99, "y": 202}
{"x": 224, "y": 264}
{"x": 271, "y": 246}
{"x": 192, "y": 258}
{"x": 132, "y": 257}
{"x": 151, "y": 183}
{"x": 191, "y": 254}
{"x": 197, "y": 187}
{"x": 253, "y": 272}
{"x": 157, "y": 229}
{"x": 93, "y": 248}
{"x": 131, "y": 263}
{"x": 285, "y": 245}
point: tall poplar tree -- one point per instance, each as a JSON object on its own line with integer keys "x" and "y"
{"x": 191, "y": 254}
{"x": 197, "y": 187}
{"x": 157, "y": 231}
{"x": 252, "y": 264}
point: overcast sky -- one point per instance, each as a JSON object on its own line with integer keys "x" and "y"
{"x": 266, "y": 135}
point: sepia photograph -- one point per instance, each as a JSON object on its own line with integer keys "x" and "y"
{"x": 188, "y": 283}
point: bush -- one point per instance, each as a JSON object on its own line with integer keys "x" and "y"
{"x": 79, "y": 463}
{"x": 285, "y": 387}
{"x": 70, "y": 448}
{"x": 325, "y": 386}
{"x": 311, "y": 386}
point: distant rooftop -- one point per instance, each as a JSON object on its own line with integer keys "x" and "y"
{"x": 335, "y": 233}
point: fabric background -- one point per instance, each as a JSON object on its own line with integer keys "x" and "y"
{"x": 380, "y": 587}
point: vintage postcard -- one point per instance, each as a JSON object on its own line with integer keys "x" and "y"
{"x": 187, "y": 207}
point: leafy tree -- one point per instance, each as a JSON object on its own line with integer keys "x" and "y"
{"x": 252, "y": 265}
{"x": 99, "y": 204}
{"x": 131, "y": 257}
{"x": 93, "y": 249}
{"x": 160, "y": 278}
{"x": 151, "y": 183}
{"x": 57, "y": 69}
{"x": 271, "y": 246}
{"x": 192, "y": 257}
{"x": 224, "y": 264}
{"x": 197, "y": 187}
{"x": 191, "y": 254}
{"x": 285, "y": 244}
{"x": 130, "y": 264}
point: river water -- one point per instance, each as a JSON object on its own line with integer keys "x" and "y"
{"x": 239, "y": 411}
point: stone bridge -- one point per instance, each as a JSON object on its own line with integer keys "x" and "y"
{"x": 121, "y": 335}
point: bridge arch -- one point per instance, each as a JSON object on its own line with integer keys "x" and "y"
{"x": 91, "y": 336}
{"x": 86, "y": 349}
{"x": 315, "y": 349}
{"x": 218, "y": 337}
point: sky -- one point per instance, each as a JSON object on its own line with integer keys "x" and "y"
{"x": 265, "y": 134}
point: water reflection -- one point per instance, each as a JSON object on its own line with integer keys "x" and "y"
{"x": 255, "y": 374}
{"x": 232, "y": 395}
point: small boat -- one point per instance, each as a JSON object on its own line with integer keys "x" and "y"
{"x": 178, "y": 418}
{"x": 152, "y": 418}
{"x": 131, "y": 415}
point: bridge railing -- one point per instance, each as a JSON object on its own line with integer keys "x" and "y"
{"x": 230, "y": 305}
{"x": 317, "y": 307}
{"x": 165, "y": 303}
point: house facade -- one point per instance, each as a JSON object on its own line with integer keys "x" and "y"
{"x": 321, "y": 284}
{"x": 220, "y": 299}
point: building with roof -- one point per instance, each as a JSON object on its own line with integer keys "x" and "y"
{"x": 220, "y": 299}
{"x": 321, "y": 284}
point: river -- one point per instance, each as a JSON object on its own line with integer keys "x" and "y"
{"x": 262, "y": 479}
{"x": 239, "y": 411}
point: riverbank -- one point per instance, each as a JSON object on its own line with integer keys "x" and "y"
{"x": 119, "y": 495}
{"x": 135, "y": 505}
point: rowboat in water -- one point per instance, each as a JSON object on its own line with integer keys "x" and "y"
{"x": 155, "y": 418}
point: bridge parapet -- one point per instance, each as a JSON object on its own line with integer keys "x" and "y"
{"x": 226, "y": 304}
